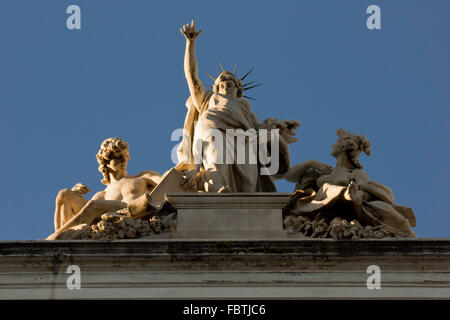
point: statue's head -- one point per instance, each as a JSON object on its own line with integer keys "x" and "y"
{"x": 228, "y": 84}
{"x": 350, "y": 145}
{"x": 113, "y": 156}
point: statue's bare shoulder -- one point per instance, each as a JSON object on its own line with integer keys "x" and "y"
{"x": 99, "y": 195}
{"x": 244, "y": 102}
{"x": 148, "y": 174}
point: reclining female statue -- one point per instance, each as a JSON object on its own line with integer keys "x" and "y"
{"x": 122, "y": 191}
{"x": 346, "y": 190}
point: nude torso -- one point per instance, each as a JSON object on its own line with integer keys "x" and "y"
{"x": 130, "y": 187}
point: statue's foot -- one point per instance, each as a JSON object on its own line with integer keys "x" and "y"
{"x": 73, "y": 233}
{"x": 224, "y": 189}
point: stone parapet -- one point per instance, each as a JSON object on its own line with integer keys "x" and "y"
{"x": 189, "y": 269}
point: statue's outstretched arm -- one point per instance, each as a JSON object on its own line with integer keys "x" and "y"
{"x": 296, "y": 173}
{"x": 190, "y": 65}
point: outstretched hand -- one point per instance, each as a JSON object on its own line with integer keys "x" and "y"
{"x": 189, "y": 31}
{"x": 80, "y": 189}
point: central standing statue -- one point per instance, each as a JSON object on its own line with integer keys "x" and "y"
{"x": 217, "y": 110}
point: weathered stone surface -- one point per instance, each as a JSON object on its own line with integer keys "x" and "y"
{"x": 311, "y": 268}
{"x": 229, "y": 215}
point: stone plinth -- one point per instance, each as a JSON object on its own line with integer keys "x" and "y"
{"x": 182, "y": 269}
{"x": 229, "y": 215}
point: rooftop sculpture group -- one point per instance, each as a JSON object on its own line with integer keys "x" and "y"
{"x": 338, "y": 202}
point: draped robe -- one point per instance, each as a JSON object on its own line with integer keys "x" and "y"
{"x": 220, "y": 112}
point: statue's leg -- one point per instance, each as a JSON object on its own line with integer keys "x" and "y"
{"x": 246, "y": 176}
{"x": 356, "y": 197}
{"x": 217, "y": 178}
{"x": 73, "y": 233}
{"x": 385, "y": 214}
{"x": 145, "y": 206}
{"x": 67, "y": 204}
{"x": 228, "y": 166}
{"x": 389, "y": 216}
{"x": 92, "y": 210}
{"x": 242, "y": 174}
{"x": 214, "y": 164}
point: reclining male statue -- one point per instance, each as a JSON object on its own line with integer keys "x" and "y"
{"x": 122, "y": 191}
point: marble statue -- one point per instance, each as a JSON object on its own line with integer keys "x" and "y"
{"x": 223, "y": 108}
{"x": 334, "y": 196}
{"x": 339, "y": 202}
{"x": 122, "y": 191}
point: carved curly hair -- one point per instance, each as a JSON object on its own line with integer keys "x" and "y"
{"x": 226, "y": 75}
{"x": 352, "y": 145}
{"x": 111, "y": 148}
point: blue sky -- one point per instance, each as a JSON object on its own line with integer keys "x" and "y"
{"x": 63, "y": 91}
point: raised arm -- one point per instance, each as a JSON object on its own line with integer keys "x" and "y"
{"x": 190, "y": 65}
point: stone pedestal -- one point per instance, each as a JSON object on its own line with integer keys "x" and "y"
{"x": 229, "y": 215}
